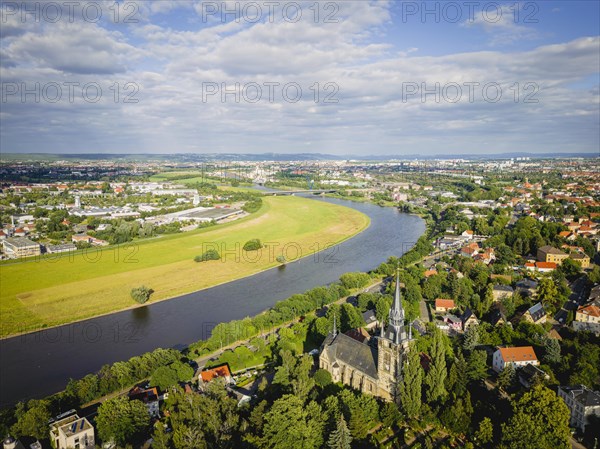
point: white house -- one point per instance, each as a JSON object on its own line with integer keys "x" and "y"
{"x": 519, "y": 356}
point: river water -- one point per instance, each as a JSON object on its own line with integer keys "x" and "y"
{"x": 41, "y": 363}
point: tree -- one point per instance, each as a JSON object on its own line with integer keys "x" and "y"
{"x": 547, "y": 291}
{"x": 350, "y": 318}
{"x": 540, "y": 420}
{"x": 32, "y": 420}
{"x": 477, "y": 365}
{"x": 211, "y": 254}
{"x": 340, "y": 438}
{"x": 456, "y": 382}
{"x": 552, "y": 350}
{"x": 485, "y": 433}
{"x": 291, "y": 425}
{"x": 507, "y": 376}
{"x": 570, "y": 268}
{"x": 390, "y": 414}
{"x": 141, "y": 294}
{"x": 294, "y": 374}
{"x": 410, "y": 386}
{"x": 322, "y": 378}
{"x": 382, "y": 308}
{"x": 594, "y": 275}
{"x": 253, "y": 245}
{"x": 435, "y": 378}
{"x": 120, "y": 420}
{"x": 471, "y": 338}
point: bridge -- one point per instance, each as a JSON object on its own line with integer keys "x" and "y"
{"x": 294, "y": 192}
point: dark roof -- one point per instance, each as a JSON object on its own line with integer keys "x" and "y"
{"x": 468, "y": 313}
{"x": 583, "y": 395}
{"x": 369, "y": 317}
{"x": 527, "y": 284}
{"x": 360, "y": 356}
{"x": 537, "y": 311}
{"x": 503, "y": 288}
{"x": 496, "y": 316}
{"x": 551, "y": 250}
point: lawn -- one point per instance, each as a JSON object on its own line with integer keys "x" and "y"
{"x": 45, "y": 292}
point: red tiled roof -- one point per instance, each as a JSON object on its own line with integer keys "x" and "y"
{"x": 219, "y": 371}
{"x": 446, "y": 303}
{"x": 519, "y": 354}
{"x": 547, "y": 265}
{"x": 590, "y": 310}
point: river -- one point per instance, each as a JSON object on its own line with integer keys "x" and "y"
{"x": 38, "y": 364}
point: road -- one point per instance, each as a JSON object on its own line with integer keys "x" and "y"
{"x": 577, "y": 298}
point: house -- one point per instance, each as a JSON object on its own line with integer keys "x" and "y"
{"x": 542, "y": 267}
{"x": 550, "y": 254}
{"x": 487, "y": 256}
{"x": 453, "y": 322}
{"x": 527, "y": 287}
{"x": 530, "y": 374}
{"x": 470, "y": 250}
{"x": 77, "y": 238}
{"x": 429, "y": 273}
{"x": 72, "y": 432}
{"x": 582, "y": 403}
{"x": 516, "y": 356}
{"x": 16, "y": 247}
{"x": 536, "y": 314}
{"x": 468, "y": 234}
{"x": 468, "y": 319}
{"x": 148, "y": 396}
{"x": 370, "y": 319}
{"x": 218, "y": 372}
{"x": 498, "y": 317}
{"x": 500, "y": 292}
{"x": 444, "y": 305}
{"x": 588, "y": 314}
{"x": 582, "y": 258}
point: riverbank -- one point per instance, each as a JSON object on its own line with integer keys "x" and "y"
{"x": 44, "y": 293}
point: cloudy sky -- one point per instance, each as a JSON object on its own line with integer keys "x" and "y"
{"x": 345, "y": 77}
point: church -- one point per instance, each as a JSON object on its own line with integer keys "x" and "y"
{"x": 374, "y": 367}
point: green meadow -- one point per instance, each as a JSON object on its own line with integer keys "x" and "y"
{"x": 41, "y": 292}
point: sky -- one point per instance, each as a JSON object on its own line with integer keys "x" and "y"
{"x": 338, "y": 77}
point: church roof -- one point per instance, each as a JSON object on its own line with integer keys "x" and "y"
{"x": 359, "y": 356}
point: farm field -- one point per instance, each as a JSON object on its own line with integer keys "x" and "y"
{"x": 44, "y": 292}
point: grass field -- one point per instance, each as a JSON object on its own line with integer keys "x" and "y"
{"x": 46, "y": 292}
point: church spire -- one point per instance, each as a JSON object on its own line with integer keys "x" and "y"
{"x": 396, "y": 331}
{"x": 334, "y": 325}
{"x": 397, "y": 312}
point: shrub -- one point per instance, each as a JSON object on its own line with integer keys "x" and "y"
{"x": 141, "y": 294}
{"x": 253, "y": 245}
{"x": 211, "y": 254}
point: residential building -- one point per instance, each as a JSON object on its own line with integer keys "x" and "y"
{"x": 148, "y": 396}
{"x": 502, "y": 291}
{"x": 22, "y": 443}
{"x": 516, "y": 356}
{"x": 527, "y": 287}
{"x": 453, "y": 322}
{"x": 529, "y": 374}
{"x": 470, "y": 250}
{"x": 218, "y": 372}
{"x": 535, "y": 314}
{"x": 542, "y": 267}
{"x": 72, "y": 432}
{"x": 444, "y": 305}
{"x": 371, "y": 368}
{"x": 582, "y": 403}
{"x": 17, "y": 247}
{"x": 370, "y": 319}
{"x": 582, "y": 258}
{"x": 468, "y": 319}
{"x": 588, "y": 314}
{"x": 550, "y": 254}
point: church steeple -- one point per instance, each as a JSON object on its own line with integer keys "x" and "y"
{"x": 334, "y": 325}
{"x": 396, "y": 331}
